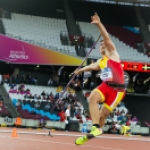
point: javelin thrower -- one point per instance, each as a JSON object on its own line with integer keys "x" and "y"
{"x": 111, "y": 91}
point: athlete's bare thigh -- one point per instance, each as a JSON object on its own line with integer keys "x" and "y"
{"x": 95, "y": 96}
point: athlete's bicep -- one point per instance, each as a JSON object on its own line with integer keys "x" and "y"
{"x": 95, "y": 66}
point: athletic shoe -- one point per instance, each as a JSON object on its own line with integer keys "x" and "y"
{"x": 128, "y": 134}
{"x": 94, "y": 132}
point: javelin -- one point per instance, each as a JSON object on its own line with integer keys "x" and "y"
{"x": 77, "y": 68}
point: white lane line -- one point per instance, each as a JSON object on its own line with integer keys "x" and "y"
{"x": 76, "y": 135}
{"x": 58, "y": 142}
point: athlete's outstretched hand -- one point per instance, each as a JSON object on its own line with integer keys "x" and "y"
{"x": 95, "y": 19}
{"x": 77, "y": 71}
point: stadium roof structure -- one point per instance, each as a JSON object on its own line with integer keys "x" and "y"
{"x": 143, "y": 3}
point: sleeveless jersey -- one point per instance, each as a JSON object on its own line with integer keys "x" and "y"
{"x": 111, "y": 71}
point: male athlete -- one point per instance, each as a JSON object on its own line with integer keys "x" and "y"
{"x": 111, "y": 91}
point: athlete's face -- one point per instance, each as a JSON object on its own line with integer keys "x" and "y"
{"x": 102, "y": 48}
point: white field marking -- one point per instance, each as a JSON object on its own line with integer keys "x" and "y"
{"x": 78, "y": 135}
{"x": 62, "y": 143}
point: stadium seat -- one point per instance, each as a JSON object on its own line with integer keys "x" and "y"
{"x": 41, "y": 31}
{"x": 126, "y": 51}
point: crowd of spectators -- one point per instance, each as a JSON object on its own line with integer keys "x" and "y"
{"x": 19, "y": 89}
{"x": 30, "y": 79}
{"x": 3, "y": 109}
{"x": 142, "y": 86}
{"x": 116, "y": 119}
{"x": 137, "y": 83}
{"x": 121, "y": 116}
{"x": 47, "y": 101}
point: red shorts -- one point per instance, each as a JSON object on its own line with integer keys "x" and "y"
{"x": 110, "y": 96}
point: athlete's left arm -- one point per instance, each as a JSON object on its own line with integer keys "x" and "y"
{"x": 107, "y": 41}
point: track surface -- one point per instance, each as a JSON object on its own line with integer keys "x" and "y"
{"x": 37, "y": 140}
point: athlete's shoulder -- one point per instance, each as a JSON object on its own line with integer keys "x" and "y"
{"x": 103, "y": 59}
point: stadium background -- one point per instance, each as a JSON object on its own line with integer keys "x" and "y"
{"x": 118, "y": 16}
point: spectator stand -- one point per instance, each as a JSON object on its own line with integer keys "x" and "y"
{"x": 119, "y": 116}
{"x": 29, "y": 105}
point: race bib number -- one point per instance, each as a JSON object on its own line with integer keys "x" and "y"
{"x": 106, "y": 74}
